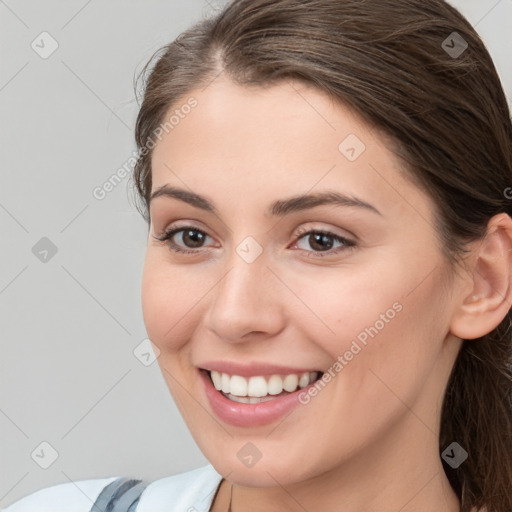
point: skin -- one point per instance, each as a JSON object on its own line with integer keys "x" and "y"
{"x": 369, "y": 440}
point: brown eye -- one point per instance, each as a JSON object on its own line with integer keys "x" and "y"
{"x": 323, "y": 242}
{"x": 191, "y": 238}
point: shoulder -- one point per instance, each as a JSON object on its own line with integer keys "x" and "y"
{"x": 189, "y": 491}
{"x": 185, "y": 491}
{"x": 66, "y": 497}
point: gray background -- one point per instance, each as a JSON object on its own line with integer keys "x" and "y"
{"x": 70, "y": 324}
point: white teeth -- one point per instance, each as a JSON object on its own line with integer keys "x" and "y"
{"x": 291, "y": 382}
{"x": 238, "y": 385}
{"x": 249, "y": 399}
{"x": 304, "y": 380}
{"x": 225, "y": 382}
{"x": 275, "y": 385}
{"x": 217, "y": 380}
{"x": 259, "y": 386}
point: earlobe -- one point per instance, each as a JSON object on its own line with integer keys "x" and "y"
{"x": 490, "y": 296}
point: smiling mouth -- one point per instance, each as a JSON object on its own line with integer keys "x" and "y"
{"x": 258, "y": 389}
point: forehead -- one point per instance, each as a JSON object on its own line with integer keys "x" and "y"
{"x": 250, "y": 143}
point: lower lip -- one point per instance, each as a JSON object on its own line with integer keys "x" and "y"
{"x": 249, "y": 415}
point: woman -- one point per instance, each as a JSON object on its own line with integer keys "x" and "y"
{"x": 328, "y": 273}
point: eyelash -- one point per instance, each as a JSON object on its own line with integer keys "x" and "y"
{"x": 166, "y": 236}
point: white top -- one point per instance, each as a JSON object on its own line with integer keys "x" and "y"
{"x": 192, "y": 490}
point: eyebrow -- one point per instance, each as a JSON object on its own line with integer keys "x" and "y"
{"x": 277, "y": 208}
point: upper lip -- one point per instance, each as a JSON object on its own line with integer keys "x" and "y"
{"x": 251, "y": 369}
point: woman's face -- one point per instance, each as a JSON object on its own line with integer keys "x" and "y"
{"x": 263, "y": 292}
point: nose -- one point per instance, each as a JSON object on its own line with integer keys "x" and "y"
{"x": 246, "y": 302}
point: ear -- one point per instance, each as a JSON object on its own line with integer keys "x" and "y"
{"x": 490, "y": 283}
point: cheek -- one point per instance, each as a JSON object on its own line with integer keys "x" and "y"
{"x": 170, "y": 302}
{"x": 388, "y": 332}
{"x": 346, "y": 303}
{"x": 389, "y": 317}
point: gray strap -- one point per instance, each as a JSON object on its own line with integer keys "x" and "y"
{"x": 121, "y": 495}
{"x": 128, "y": 501}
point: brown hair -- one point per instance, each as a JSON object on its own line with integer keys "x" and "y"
{"x": 394, "y": 62}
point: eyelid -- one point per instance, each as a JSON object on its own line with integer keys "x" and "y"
{"x": 297, "y": 234}
{"x": 168, "y": 233}
{"x": 332, "y": 231}
{"x": 348, "y": 243}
